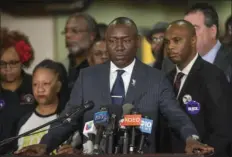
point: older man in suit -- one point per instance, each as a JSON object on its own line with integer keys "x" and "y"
{"x": 204, "y": 18}
{"x": 200, "y": 87}
{"x": 124, "y": 80}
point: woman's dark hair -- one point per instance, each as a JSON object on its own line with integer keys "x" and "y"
{"x": 10, "y": 39}
{"x": 59, "y": 69}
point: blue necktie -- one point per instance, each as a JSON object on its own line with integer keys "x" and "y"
{"x": 118, "y": 91}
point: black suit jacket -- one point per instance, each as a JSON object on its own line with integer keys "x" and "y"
{"x": 223, "y": 61}
{"x": 94, "y": 84}
{"x": 207, "y": 85}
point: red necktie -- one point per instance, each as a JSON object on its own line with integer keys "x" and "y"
{"x": 178, "y": 82}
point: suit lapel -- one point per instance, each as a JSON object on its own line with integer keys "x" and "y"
{"x": 192, "y": 76}
{"x": 104, "y": 77}
{"x": 171, "y": 76}
{"x": 221, "y": 59}
{"x": 136, "y": 86}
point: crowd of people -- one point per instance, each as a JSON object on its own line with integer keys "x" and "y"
{"x": 192, "y": 70}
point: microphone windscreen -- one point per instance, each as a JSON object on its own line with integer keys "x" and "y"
{"x": 127, "y": 108}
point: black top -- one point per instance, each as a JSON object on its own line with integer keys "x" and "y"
{"x": 73, "y": 73}
{"x": 17, "y": 104}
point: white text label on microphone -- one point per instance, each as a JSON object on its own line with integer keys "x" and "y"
{"x": 146, "y": 125}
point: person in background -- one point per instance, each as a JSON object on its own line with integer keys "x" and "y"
{"x": 111, "y": 82}
{"x": 16, "y": 53}
{"x": 205, "y": 19}
{"x": 200, "y": 87}
{"x": 155, "y": 38}
{"x": 227, "y": 39}
{"x": 102, "y": 29}
{"x": 48, "y": 88}
{"x": 97, "y": 53}
{"x": 80, "y": 33}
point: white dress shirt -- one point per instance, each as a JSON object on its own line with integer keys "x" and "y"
{"x": 126, "y": 76}
{"x": 185, "y": 71}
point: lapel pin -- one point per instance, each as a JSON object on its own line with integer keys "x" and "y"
{"x": 133, "y": 82}
{"x": 186, "y": 98}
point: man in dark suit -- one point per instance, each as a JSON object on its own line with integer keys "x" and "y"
{"x": 205, "y": 19}
{"x": 200, "y": 87}
{"x": 124, "y": 80}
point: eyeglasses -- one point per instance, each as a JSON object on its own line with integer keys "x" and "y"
{"x": 157, "y": 40}
{"x": 12, "y": 64}
{"x": 73, "y": 31}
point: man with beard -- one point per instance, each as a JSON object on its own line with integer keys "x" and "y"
{"x": 80, "y": 33}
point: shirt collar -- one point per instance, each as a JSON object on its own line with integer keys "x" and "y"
{"x": 128, "y": 69}
{"x": 211, "y": 55}
{"x": 187, "y": 69}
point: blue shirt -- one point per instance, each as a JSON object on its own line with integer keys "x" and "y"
{"x": 211, "y": 55}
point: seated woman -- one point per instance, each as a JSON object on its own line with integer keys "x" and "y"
{"x": 97, "y": 53}
{"x": 49, "y": 91}
{"x": 16, "y": 98}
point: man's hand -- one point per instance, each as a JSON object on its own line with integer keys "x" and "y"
{"x": 195, "y": 147}
{"x": 32, "y": 150}
{"x": 67, "y": 149}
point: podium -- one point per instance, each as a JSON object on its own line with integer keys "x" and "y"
{"x": 128, "y": 155}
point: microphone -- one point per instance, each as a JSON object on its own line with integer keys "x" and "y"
{"x": 145, "y": 128}
{"x": 101, "y": 119}
{"x": 67, "y": 118}
{"x": 110, "y": 132}
{"x": 89, "y": 132}
{"x": 137, "y": 120}
{"x": 77, "y": 111}
{"x": 127, "y": 108}
{"x": 122, "y": 135}
{"x": 130, "y": 121}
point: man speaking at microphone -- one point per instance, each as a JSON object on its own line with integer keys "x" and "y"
{"x": 201, "y": 88}
{"x": 122, "y": 80}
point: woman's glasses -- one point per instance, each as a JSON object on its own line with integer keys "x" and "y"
{"x": 11, "y": 64}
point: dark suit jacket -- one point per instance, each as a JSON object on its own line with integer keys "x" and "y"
{"x": 207, "y": 85}
{"x": 222, "y": 61}
{"x": 94, "y": 84}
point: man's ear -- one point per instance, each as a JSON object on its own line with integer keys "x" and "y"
{"x": 138, "y": 41}
{"x": 213, "y": 31}
{"x": 194, "y": 41}
{"x": 93, "y": 36}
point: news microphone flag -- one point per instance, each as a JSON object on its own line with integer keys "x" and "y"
{"x": 89, "y": 128}
{"x": 146, "y": 125}
{"x": 101, "y": 117}
{"x": 132, "y": 120}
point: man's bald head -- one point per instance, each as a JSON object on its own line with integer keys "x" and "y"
{"x": 122, "y": 41}
{"x": 185, "y": 24}
{"x": 124, "y": 21}
{"x": 180, "y": 43}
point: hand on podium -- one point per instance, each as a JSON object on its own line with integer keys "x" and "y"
{"x": 68, "y": 149}
{"x": 33, "y": 150}
{"x": 195, "y": 147}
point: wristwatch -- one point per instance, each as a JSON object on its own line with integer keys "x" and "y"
{"x": 194, "y": 137}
